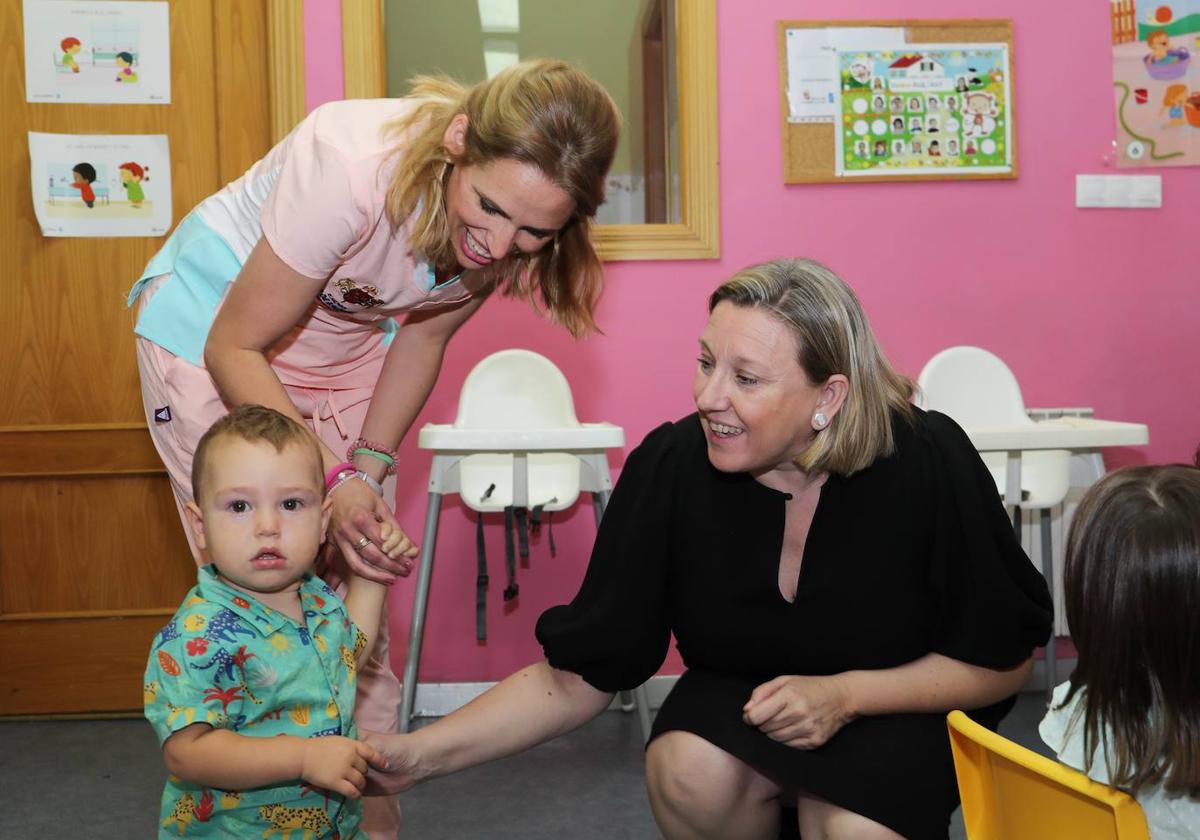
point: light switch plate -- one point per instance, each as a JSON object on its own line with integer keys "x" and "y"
{"x": 1142, "y": 191}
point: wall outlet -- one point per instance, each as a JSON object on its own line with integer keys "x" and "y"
{"x": 1144, "y": 191}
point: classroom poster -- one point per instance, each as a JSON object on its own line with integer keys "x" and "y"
{"x": 1156, "y": 81}
{"x": 101, "y": 184}
{"x": 812, "y": 66}
{"x": 97, "y": 52}
{"x": 925, "y": 109}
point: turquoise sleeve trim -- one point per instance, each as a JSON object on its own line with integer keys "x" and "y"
{"x": 180, "y": 315}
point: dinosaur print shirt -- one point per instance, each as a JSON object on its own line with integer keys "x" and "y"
{"x": 227, "y": 661}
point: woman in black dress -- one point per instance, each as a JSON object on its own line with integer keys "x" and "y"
{"x": 836, "y": 567}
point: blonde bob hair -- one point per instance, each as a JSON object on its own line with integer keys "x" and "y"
{"x": 832, "y": 336}
{"x": 544, "y": 113}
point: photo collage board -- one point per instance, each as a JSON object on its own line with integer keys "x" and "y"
{"x": 924, "y": 109}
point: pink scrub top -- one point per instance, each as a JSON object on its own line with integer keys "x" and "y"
{"x": 318, "y": 198}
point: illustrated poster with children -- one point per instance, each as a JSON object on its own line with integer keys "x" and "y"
{"x": 1156, "y": 81}
{"x": 98, "y": 52}
{"x": 926, "y": 109}
{"x": 101, "y": 184}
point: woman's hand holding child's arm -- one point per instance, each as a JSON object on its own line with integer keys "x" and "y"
{"x": 231, "y": 761}
{"x": 339, "y": 764}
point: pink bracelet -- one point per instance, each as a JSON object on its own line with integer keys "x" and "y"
{"x": 335, "y": 475}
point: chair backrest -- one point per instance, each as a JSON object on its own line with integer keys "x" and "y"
{"x": 516, "y": 389}
{"x": 1012, "y": 793}
{"x": 973, "y": 386}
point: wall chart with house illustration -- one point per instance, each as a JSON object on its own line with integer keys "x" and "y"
{"x": 903, "y": 100}
{"x": 936, "y": 109}
{"x": 1156, "y": 81}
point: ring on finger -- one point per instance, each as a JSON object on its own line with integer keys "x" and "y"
{"x": 362, "y": 543}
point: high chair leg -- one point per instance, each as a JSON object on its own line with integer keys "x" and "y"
{"x": 1048, "y": 571}
{"x": 408, "y": 689}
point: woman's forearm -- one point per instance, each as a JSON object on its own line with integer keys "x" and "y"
{"x": 409, "y": 373}
{"x": 534, "y": 705}
{"x": 933, "y": 683}
{"x": 245, "y": 376}
{"x": 265, "y": 302}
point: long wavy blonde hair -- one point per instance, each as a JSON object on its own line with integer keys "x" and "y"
{"x": 545, "y": 113}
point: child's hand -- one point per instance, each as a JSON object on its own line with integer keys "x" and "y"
{"x": 339, "y": 764}
{"x": 395, "y": 542}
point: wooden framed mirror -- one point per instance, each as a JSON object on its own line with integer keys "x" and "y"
{"x": 678, "y": 141}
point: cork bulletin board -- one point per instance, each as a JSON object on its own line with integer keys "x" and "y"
{"x": 811, "y": 149}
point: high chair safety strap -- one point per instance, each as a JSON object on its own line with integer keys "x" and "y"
{"x": 535, "y": 523}
{"x": 510, "y": 555}
{"x": 481, "y": 581}
{"x": 481, "y": 573}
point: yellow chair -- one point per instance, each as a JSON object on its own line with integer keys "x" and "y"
{"x": 1011, "y": 793}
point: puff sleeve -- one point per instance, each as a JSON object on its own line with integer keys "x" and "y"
{"x": 994, "y": 607}
{"x": 316, "y": 212}
{"x": 615, "y": 632}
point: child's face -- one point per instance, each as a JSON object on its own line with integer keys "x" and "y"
{"x": 122, "y": 62}
{"x": 126, "y": 176}
{"x": 261, "y": 518}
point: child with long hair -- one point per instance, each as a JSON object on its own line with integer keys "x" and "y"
{"x": 1130, "y": 714}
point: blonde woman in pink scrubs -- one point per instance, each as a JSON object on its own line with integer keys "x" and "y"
{"x": 285, "y": 288}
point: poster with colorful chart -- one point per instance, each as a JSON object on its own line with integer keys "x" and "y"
{"x": 100, "y": 184}
{"x": 97, "y": 52}
{"x": 1156, "y": 81}
{"x": 926, "y": 109}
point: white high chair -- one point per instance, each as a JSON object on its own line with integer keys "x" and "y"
{"x": 976, "y": 388}
{"x": 515, "y": 442}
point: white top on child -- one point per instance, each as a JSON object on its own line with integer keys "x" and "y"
{"x": 1168, "y": 817}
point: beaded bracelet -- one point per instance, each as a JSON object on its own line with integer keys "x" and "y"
{"x": 338, "y": 474}
{"x": 374, "y": 450}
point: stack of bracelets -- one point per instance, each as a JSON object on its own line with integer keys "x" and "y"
{"x": 346, "y": 470}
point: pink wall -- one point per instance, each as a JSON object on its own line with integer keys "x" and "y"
{"x": 1089, "y": 307}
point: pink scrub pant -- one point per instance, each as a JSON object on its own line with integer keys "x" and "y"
{"x": 336, "y": 416}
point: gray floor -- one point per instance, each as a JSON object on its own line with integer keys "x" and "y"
{"x": 101, "y": 780}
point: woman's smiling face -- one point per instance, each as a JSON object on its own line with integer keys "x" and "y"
{"x": 756, "y": 402}
{"x": 501, "y": 207}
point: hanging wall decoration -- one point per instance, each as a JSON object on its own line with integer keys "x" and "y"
{"x": 101, "y": 184}
{"x": 1156, "y": 81}
{"x": 97, "y": 52}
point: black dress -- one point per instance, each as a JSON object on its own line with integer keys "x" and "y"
{"x": 912, "y": 555}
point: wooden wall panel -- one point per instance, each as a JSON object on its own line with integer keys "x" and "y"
{"x": 64, "y": 326}
{"x": 100, "y": 555}
{"x": 93, "y": 557}
{"x": 104, "y": 674}
{"x": 243, "y": 133}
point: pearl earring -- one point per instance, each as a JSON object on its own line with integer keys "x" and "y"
{"x": 820, "y": 420}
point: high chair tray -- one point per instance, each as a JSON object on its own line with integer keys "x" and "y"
{"x": 445, "y": 437}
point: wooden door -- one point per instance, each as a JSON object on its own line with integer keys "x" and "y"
{"x": 92, "y": 554}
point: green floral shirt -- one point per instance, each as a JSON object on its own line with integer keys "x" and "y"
{"x": 226, "y": 660}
